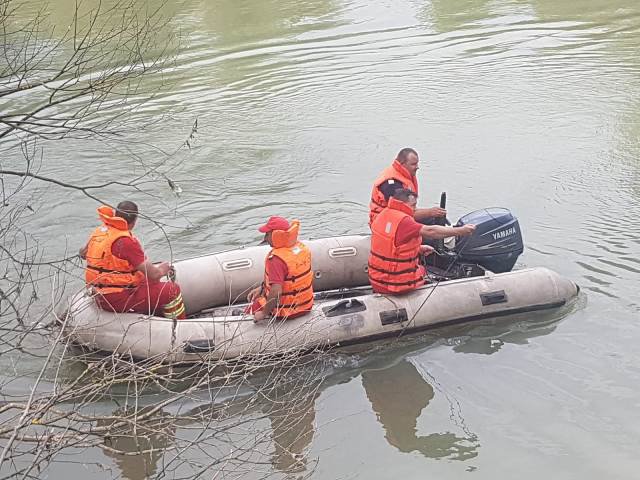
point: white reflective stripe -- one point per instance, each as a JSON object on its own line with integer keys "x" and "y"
{"x": 387, "y": 228}
{"x": 391, "y": 181}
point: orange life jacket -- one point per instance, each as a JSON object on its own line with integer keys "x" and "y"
{"x": 105, "y": 272}
{"x": 392, "y": 268}
{"x": 396, "y": 171}
{"x": 297, "y": 290}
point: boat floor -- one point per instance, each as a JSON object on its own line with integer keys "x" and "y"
{"x": 435, "y": 275}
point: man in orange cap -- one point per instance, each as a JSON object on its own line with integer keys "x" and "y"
{"x": 287, "y": 290}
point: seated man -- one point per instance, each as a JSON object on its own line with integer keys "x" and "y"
{"x": 120, "y": 274}
{"x": 400, "y": 174}
{"x": 287, "y": 290}
{"x": 396, "y": 245}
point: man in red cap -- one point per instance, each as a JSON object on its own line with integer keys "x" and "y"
{"x": 287, "y": 290}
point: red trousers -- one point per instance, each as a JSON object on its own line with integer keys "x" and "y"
{"x": 149, "y": 298}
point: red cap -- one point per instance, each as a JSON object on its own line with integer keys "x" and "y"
{"x": 274, "y": 223}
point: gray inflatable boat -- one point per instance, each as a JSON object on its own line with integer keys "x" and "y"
{"x": 470, "y": 281}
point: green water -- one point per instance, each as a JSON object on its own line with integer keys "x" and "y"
{"x": 527, "y": 104}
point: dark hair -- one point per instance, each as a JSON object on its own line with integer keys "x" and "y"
{"x": 403, "y": 194}
{"x": 127, "y": 210}
{"x": 404, "y": 153}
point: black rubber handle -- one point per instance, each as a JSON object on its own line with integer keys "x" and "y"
{"x": 443, "y": 204}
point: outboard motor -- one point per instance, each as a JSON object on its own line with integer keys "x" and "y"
{"x": 496, "y": 242}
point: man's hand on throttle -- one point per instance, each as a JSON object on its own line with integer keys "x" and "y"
{"x": 437, "y": 212}
{"x": 465, "y": 230}
{"x": 426, "y": 250}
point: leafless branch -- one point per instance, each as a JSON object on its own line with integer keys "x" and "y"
{"x": 228, "y": 417}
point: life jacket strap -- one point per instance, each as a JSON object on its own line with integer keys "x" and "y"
{"x": 295, "y": 277}
{"x": 396, "y": 284}
{"x": 399, "y": 272}
{"x": 107, "y": 270}
{"x": 395, "y": 260}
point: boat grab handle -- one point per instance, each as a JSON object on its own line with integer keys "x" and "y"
{"x": 389, "y": 317}
{"x": 199, "y": 346}
{"x": 491, "y": 298}
{"x": 343, "y": 252}
{"x": 343, "y": 307}
{"x": 237, "y": 264}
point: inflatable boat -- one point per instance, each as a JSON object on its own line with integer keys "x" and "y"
{"x": 470, "y": 279}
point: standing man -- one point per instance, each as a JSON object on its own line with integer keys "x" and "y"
{"x": 400, "y": 174}
{"x": 287, "y": 290}
{"x": 396, "y": 245}
{"x": 118, "y": 271}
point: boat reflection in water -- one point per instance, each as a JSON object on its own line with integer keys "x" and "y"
{"x": 397, "y": 387}
{"x": 137, "y": 446}
{"x": 398, "y": 396}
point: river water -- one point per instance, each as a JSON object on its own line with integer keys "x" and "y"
{"x": 533, "y": 105}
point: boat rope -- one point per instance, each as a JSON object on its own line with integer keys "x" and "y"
{"x": 455, "y": 409}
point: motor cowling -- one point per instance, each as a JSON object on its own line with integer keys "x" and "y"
{"x": 496, "y": 243}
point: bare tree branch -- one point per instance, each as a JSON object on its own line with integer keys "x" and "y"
{"x": 216, "y": 419}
